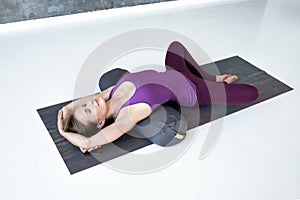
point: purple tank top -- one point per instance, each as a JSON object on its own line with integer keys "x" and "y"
{"x": 156, "y": 88}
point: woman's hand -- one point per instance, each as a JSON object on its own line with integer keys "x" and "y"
{"x": 74, "y": 138}
{"x": 60, "y": 122}
{"x": 63, "y": 115}
{"x": 67, "y": 112}
{"x": 227, "y": 78}
{"x": 89, "y": 150}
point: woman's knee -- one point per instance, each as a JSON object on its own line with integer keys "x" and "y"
{"x": 176, "y": 48}
{"x": 175, "y": 44}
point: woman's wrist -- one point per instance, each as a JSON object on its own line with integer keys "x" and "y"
{"x": 84, "y": 141}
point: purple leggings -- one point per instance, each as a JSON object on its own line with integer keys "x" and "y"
{"x": 208, "y": 91}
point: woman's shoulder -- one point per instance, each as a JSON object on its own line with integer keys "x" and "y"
{"x": 124, "y": 89}
{"x": 135, "y": 112}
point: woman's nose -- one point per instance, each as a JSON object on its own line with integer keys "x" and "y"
{"x": 94, "y": 103}
{"x": 90, "y": 104}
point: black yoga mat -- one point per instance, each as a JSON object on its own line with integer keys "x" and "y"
{"x": 76, "y": 161}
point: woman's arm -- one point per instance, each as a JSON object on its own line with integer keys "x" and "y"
{"x": 126, "y": 120}
{"x": 68, "y": 109}
{"x": 107, "y": 135}
{"x": 74, "y": 138}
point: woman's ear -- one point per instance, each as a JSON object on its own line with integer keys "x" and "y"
{"x": 100, "y": 123}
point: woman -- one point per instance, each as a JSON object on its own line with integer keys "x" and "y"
{"x": 136, "y": 95}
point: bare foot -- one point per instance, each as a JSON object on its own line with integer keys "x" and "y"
{"x": 231, "y": 79}
{"x": 228, "y": 78}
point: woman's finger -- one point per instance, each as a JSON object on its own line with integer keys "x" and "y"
{"x": 93, "y": 148}
{"x": 82, "y": 150}
{"x": 60, "y": 114}
{"x": 60, "y": 122}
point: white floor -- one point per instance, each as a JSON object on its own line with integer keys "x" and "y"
{"x": 257, "y": 156}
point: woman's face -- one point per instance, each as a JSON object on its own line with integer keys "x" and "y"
{"x": 92, "y": 111}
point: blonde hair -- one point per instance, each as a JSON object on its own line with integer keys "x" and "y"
{"x": 74, "y": 125}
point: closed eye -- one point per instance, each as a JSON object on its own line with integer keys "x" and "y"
{"x": 88, "y": 111}
{"x": 83, "y": 105}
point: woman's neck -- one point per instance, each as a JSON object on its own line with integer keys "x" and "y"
{"x": 109, "y": 113}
